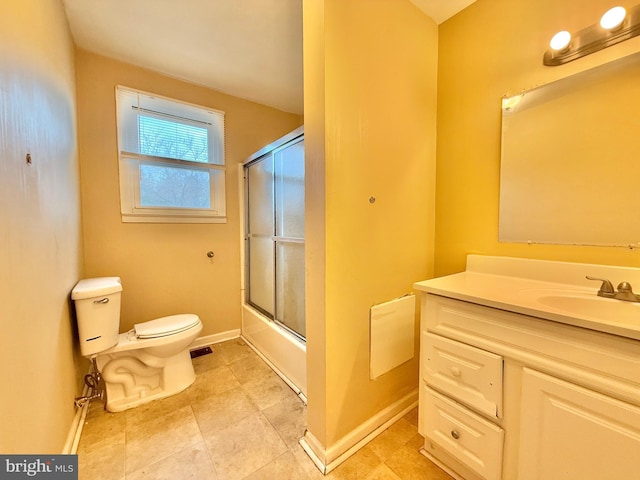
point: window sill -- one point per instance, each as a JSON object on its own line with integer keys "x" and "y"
{"x": 126, "y": 218}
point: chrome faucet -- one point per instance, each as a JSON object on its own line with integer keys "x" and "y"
{"x": 624, "y": 291}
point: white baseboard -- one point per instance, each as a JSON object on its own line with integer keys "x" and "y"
{"x": 77, "y": 424}
{"x": 215, "y": 338}
{"x": 327, "y": 459}
{"x": 73, "y": 438}
{"x": 311, "y": 445}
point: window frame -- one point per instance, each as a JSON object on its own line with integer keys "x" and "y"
{"x": 130, "y": 163}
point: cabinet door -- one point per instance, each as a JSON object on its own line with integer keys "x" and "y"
{"x": 572, "y": 433}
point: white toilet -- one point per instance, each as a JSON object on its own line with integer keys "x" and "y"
{"x": 148, "y": 362}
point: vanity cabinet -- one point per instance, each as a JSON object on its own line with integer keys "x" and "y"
{"x": 510, "y": 396}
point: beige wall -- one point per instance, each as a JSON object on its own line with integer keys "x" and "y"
{"x": 491, "y": 49}
{"x": 370, "y": 103}
{"x": 40, "y": 247}
{"x": 315, "y": 215}
{"x": 164, "y": 267}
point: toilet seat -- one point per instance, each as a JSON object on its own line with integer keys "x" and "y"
{"x": 165, "y": 326}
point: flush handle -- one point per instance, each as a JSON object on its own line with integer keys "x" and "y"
{"x": 103, "y": 300}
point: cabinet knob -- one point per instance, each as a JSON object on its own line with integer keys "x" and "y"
{"x": 455, "y": 434}
{"x": 455, "y": 371}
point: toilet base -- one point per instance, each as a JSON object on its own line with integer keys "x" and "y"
{"x": 133, "y": 379}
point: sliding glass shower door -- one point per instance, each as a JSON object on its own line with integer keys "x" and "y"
{"x": 275, "y": 235}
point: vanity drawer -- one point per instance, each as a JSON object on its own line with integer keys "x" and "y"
{"x": 469, "y": 438}
{"x": 468, "y": 374}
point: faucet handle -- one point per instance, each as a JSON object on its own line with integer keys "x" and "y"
{"x": 625, "y": 287}
{"x": 606, "y": 287}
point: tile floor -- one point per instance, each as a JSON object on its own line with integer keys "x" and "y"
{"x": 238, "y": 421}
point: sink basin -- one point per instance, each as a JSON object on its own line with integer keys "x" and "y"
{"x": 593, "y": 306}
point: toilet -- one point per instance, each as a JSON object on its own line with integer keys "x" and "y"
{"x": 148, "y": 362}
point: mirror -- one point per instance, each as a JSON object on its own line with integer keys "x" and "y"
{"x": 570, "y": 159}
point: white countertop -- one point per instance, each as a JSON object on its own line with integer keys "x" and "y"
{"x": 526, "y": 289}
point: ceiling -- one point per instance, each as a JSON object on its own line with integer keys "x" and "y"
{"x": 253, "y": 52}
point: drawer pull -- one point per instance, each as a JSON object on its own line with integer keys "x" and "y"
{"x": 455, "y": 434}
{"x": 455, "y": 371}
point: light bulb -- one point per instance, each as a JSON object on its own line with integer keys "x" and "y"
{"x": 560, "y": 41}
{"x": 613, "y": 18}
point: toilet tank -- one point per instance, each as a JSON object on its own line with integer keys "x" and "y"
{"x": 97, "y": 302}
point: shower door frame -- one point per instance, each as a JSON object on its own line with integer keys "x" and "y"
{"x": 281, "y": 346}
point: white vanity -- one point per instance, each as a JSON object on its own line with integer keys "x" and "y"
{"x": 525, "y": 373}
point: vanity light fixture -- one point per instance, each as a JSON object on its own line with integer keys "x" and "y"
{"x": 615, "y": 26}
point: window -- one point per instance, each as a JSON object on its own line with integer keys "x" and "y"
{"x": 171, "y": 160}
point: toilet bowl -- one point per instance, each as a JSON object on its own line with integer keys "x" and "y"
{"x": 148, "y": 362}
{"x": 145, "y": 366}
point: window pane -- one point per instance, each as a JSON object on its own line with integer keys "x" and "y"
{"x": 168, "y": 139}
{"x": 163, "y": 186}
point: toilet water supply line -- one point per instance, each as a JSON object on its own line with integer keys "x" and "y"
{"x": 95, "y": 386}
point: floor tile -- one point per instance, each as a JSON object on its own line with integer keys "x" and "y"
{"x": 106, "y": 462}
{"x": 234, "y": 350}
{"x": 101, "y": 452}
{"x": 153, "y": 440}
{"x": 268, "y": 390}
{"x": 358, "y": 467}
{"x": 392, "y": 439}
{"x": 103, "y": 428}
{"x": 382, "y": 472}
{"x": 409, "y": 464}
{"x": 289, "y": 418}
{"x": 416, "y": 442}
{"x": 152, "y": 411}
{"x": 241, "y": 449}
{"x": 250, "y": 367}
{"x": 412, "y": 417}
{"x": 209, "y": 361}
{"x": 223, "y": 410}
{"x": 191, "y": 463}
{"x": 212, "y": 382}
{"x": 285, "y": 467}
{"x": 305, "y": 462}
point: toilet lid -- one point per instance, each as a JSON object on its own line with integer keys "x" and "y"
{"x": 164, "y": 326}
